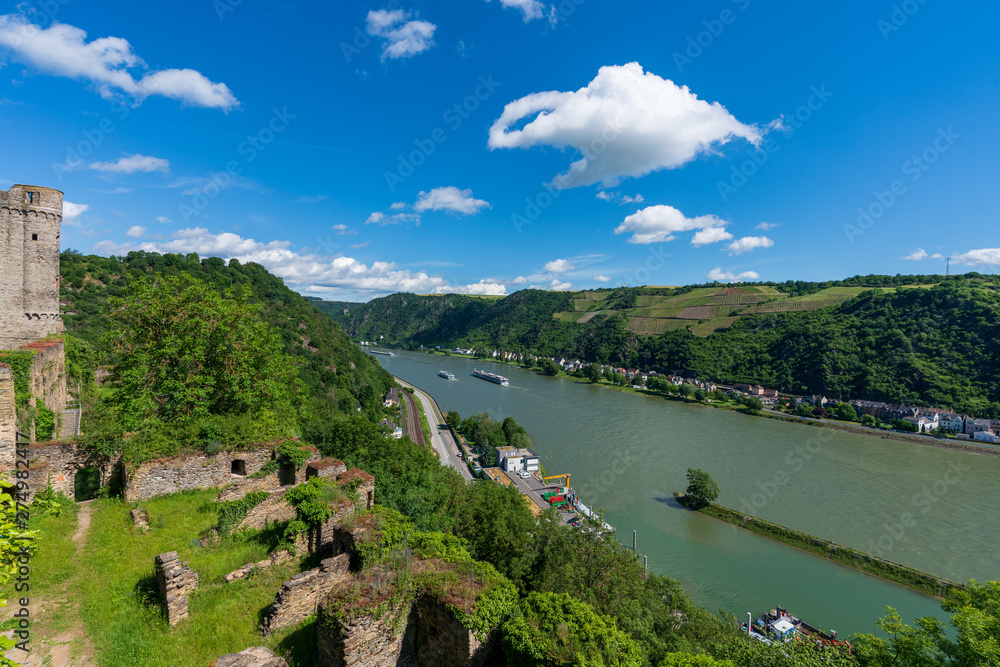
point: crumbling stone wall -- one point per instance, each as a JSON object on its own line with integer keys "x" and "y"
{"x": 8, "y": 418}
{"x": 300, "y": 595}
{"x": 30, "y": 218}
{"x": 325, "y": 468}
{"x": 273, "y": 510}
{"x": 176, "y": 581}
{"x": 256, "y": 656}
{"x": 270, "y": 482}
{"x": 57, "y": 463}
{"x": 193, "y": 471}
{"x": 47, "y": 377}
{"x": 364, "y": 641}
{"x": 330, "y": 537}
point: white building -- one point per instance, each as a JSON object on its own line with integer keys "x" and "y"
{"x": 511, "y": 459}
{"x": 985, "y": 436}
{"x": 952, "y": 422}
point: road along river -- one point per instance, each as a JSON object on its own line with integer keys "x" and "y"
{"x": 930, "y": 508}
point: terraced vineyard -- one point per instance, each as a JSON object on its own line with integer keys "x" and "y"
{"x": 703, "y": 310}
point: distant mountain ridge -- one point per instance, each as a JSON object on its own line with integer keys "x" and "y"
{"x": 924, "y": 339}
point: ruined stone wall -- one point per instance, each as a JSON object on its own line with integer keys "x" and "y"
{"x": 255, "y": 656}
{"x": 325, "y": 468}
{"x": 8, "y": 419}
{"x": 30, "y": 220}
{"x": 330, "y": 537}
{"x": 193, "y": 471}
{"x": 47, "y": 377}
{"x": 273, "y": 510}
{"x": 364, "y": 641}
{"x": 57, "y": 463}
{"x": 300, "y": 595}
{"x": 286, "y": 475}
{"x": 176, "y": 581}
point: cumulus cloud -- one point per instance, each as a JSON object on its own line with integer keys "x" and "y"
{"x": 768, "y": 226}
{"x": 554, "y": 285}
{"x": 729, "y": 276}
{"x": 532, "y": 9}
{"x": 72, "y": 211}
{"x": 399, "y": 205}
{"x": 164, "y": 219}
{"x": 108, "y": 63}
{"x": 748, "y": 243}
{"x": 602, "y": 279}
{"x": 559, "y": 266}
{"x": 619, "y": 197}
{"x": 131, "y": 164}
{"x": 449, "y": 198}
{"x": 381, "y": 219}
{"x": 660, "y": 223}
{"x": 710, "y": 235}
{"x": 625, "y": 122}
{"x": 520, "y": 280}
{"x": 304, "y": 271}
{"x": 401, "y": 37}
{"x": 981, "y": 257}
{"x": 920, "y": 253}
{"x": 135, "y": 231}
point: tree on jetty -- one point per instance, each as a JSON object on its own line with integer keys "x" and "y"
{"x": 702, "y": 489}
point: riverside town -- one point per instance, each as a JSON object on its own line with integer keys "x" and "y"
{"x": 531, "y": 333}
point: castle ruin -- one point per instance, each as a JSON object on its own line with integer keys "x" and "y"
{"x": 30, "y": 217}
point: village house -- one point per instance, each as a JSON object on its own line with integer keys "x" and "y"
{"x": 391, "y": 398}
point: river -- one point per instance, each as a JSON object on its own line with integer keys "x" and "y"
{"x": 919, "y": 505}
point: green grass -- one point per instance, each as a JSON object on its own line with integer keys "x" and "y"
{"x": 118, "y": 593}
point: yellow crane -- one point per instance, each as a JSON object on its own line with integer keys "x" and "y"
{"x": 563, "y": 477}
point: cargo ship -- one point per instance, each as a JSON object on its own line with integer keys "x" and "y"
{"x": 446, "y": 375}
{"x": 491, "y": 377}
{"x": 778, "y": 625}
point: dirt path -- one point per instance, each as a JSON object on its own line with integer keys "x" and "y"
{"x": 70, "y": 648}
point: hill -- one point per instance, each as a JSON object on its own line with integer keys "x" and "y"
{"x": 921, "y": 339}
{"x": 329, "y": 364}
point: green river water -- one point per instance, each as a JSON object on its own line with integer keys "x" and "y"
{"x": 928, "y": 507}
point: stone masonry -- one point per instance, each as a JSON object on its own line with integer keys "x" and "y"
{"x": 176, "y": 581}
{"x": 194, "y": 471}
{"x": 8, "y": 418}
{"x": 47, "y": 377}
{"x": 256, "y": 656}
{"x": 57, "y": 463}
{"x": 365, "y": 641}
{"x": 30, "y": 218}
{"x": 300, "y": 595}
{"x": 325, "y": 468}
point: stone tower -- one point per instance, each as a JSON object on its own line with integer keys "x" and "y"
{"x": 30, "y": 217}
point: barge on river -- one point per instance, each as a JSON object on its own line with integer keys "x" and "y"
{"x": 491, "y": 377}
{"x": 778, "y": 625}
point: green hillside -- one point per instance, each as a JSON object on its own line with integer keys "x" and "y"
{"x": 329, "y": 364}
{"x": 921, "y": 339}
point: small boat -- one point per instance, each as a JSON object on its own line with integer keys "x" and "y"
{"x": 446, "y": 375}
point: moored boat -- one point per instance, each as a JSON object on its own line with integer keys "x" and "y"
{"x": 778, "y": 625}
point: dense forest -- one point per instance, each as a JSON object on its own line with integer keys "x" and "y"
{"x": 935, "y": 344}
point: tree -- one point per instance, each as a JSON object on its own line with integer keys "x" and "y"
{"x": 529, "y": 361}
{"x": 699, "y": 395}
{"x": 720, "y": 396}
{"x": 687, "y": 390}
{"x": 868, "y": 420}
{"x": 181, "y": 349}
{"x": 845, "y": 412}
{"x": 701, "y": 487}
{"x": 453, "y": 420}
{"x": 592, "y": 373}
{"x": 903, "y": 425}
{"x": 754, "y": 404}
{"x": 548, "y": 366}
{"x": 556, "y": 629}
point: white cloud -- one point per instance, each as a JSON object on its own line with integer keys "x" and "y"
{"x": 729, "y": 276}
{"x": 603, "y": 279}
{"x": 339, "y": 228}
{"x": 398, "y": 206}
{"x": 710, "y": 235}
{"x": 981, "y": 257}
{"x": 164, "y": 219}
{"x": 626, "y": 122}
{"x": 451, "y": 199}
{"x": 520, "y": 280}
{"x": 131, "y": 164}
{"x": 554, "y": 285}
{"x": 304, "y": 272}
{"x": 108, "y": 63}
{"x": 920, "y": 253}
{"x": 307, "y": 199}
{"x": 532, "y": 9}
{"x": 660, "y": 223}
{"x": 381, "y": 219}
{"x": 72, "y": 211}
{"x": 559, "y": 266}
{"x": 619, "y": 197}
{"x": 402, "y": 38}
{"x": 768, "y": 226}
{"x": 135, "y": 231}
{"x": 748, "y": 243}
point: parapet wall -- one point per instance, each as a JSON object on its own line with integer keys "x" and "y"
{"x": 194, "y": 471}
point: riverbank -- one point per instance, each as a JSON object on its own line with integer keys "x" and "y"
{"x": 903, "y": 575}
{"x": 845, "y": 427}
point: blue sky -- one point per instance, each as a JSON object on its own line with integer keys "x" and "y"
{"x": 482, "y": 146}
